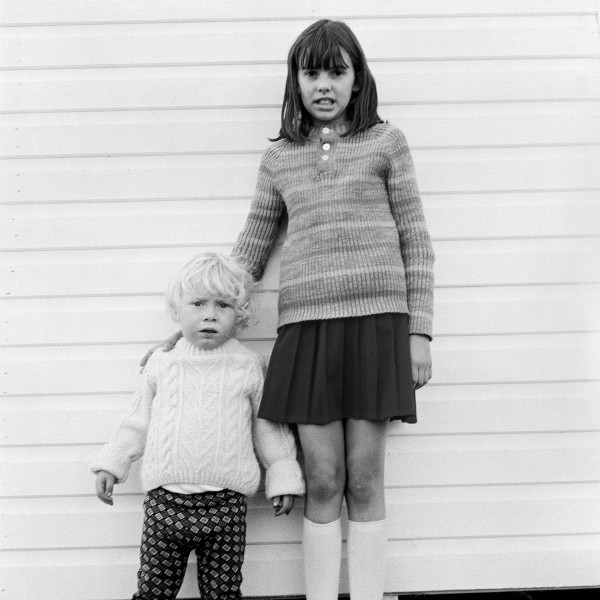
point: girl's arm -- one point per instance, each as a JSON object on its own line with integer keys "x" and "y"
{"x": 420, "y": 358}
{"x": 415, "y": 242}
{"x": 166, "y": 345}
{"x": 129, "y": 439}
{"x": 263, "y": 222}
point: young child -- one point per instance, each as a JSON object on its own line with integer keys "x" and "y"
{"x": 356, "y": 297}
{"x": 194, "y": 420}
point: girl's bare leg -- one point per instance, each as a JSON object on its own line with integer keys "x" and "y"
{"x": 323, "y": 449}
{"x": 365, "y": 459}
{"x": 365, "y": 497}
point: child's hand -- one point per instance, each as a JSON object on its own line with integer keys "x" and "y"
{"x": 420, "y": 356}
{"x": 105, "y": 482}
{"x": 167, "y": 346}
{"x": 283, "y": 504}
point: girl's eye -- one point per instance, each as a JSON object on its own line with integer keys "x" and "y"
{"x": 337, "y": 73}
{"x": 224, "y": 305}
{"x": 198, "y": 303}
{"x": 310, "y": 73}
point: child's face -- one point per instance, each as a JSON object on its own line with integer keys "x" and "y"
{"x": 207, "y": 321}
{"x": 326, "y": 93}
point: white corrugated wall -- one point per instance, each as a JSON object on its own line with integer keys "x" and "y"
{"x": 131, "y": 136}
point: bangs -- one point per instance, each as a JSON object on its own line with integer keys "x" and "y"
{"x": 323, "y": 52}
{"x": 211, "y": 284}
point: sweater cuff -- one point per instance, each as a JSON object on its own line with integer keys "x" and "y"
{"x": 114, "y": 463}
{"x": 421, "y": 325}
{"x": 284, "y": 478}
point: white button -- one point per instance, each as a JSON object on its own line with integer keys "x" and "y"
{"x": 326, "y": 130}
{"x": 325, "y": 157}
{"x": 326, "y": 146}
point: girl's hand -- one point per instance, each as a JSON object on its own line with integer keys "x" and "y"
{"x": 420, "y": 355}
{"x": 283, "y": 504}
{"x": 167, "y": 346}
{"x": 105, "y": 482}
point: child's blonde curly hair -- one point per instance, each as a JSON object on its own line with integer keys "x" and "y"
{"x": 217, "y": 275}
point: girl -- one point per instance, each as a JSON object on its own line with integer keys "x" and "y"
{"x": 356, "y": 296}
{"x": 355, "y": 302}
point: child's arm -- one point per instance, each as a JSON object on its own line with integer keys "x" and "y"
{"x": 283, "y": 504}
{"x": 262, "y": 224}
{"x": 105, "y": 483}
{"x": 129, "y": 439}
{"x": 276, "y": 449}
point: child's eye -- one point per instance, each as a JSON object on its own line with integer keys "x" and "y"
{"x": 223, "y": 304}
{"x": 337, "y": 73}
{"x": 198, "y": 302}
{"x": 310, "y": 73}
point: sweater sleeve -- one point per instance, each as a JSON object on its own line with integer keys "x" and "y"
{"x": 275, "y": 447}
{"x": 129, "y": 438}
{"x": 263, "y": 222}
{"x": 415, "y": 242}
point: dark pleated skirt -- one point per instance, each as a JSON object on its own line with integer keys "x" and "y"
{"x": 351, "y": 368}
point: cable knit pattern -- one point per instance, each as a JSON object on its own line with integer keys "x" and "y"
{"x": 357, "y": 242}
{"x": 194, "y": 420}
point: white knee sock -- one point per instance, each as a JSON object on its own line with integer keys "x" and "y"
{"x": 322, "y": 549}
{"x": 367, "y": 559}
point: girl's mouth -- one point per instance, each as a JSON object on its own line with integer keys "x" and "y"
{"x": 324, "y": 102}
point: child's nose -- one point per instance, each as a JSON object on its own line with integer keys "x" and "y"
{"x": 209, "y": 313}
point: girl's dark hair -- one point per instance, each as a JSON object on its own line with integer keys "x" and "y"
{"x": 320, "y": 46}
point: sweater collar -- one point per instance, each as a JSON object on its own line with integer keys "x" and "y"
{"x": 332, "y": 131}
{"x": 190, "y": 350}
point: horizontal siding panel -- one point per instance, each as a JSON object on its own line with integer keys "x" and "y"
{"x": 494, "y": 408}
{"x": 566, "y": 215}
{"x": 491, "y": 359}
{"x": 412, "y": 514}
{"x": 209, "y": 177}
{"x": 85, "y": 138}
{"x": 28, "y": 12}
{"x": 425, "y": 565}
{"x": 146, "y": 44}
{"x": 411, "y": 461}
{"x": 147, "y": 271}
{"x": 461, "y": 311}
{"x": 262, "y": 85}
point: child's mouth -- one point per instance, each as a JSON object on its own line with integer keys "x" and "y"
{"x": 324, "y": 102}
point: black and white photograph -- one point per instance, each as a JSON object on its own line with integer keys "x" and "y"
{"x": 300, "y": 299}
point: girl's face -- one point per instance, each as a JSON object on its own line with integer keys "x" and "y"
{"x": 326, "y": 93}
{"x": 207, "y": 321}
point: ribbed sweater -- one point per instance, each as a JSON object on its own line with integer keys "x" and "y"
{"x": 357, "y": 242}
{"x": 194, "y": 421}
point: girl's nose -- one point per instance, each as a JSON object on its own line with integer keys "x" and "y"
{"x": 323, "y": 84}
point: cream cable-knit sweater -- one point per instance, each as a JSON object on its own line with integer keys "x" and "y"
{"x": 357, "y": 243}
{"x": 194, "y": 420}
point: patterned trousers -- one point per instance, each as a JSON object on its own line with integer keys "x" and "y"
{"x": 212, "y": 524}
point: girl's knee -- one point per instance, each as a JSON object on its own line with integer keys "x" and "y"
{"x": 364, "y": 485}
{"x": 326, "y": 483}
